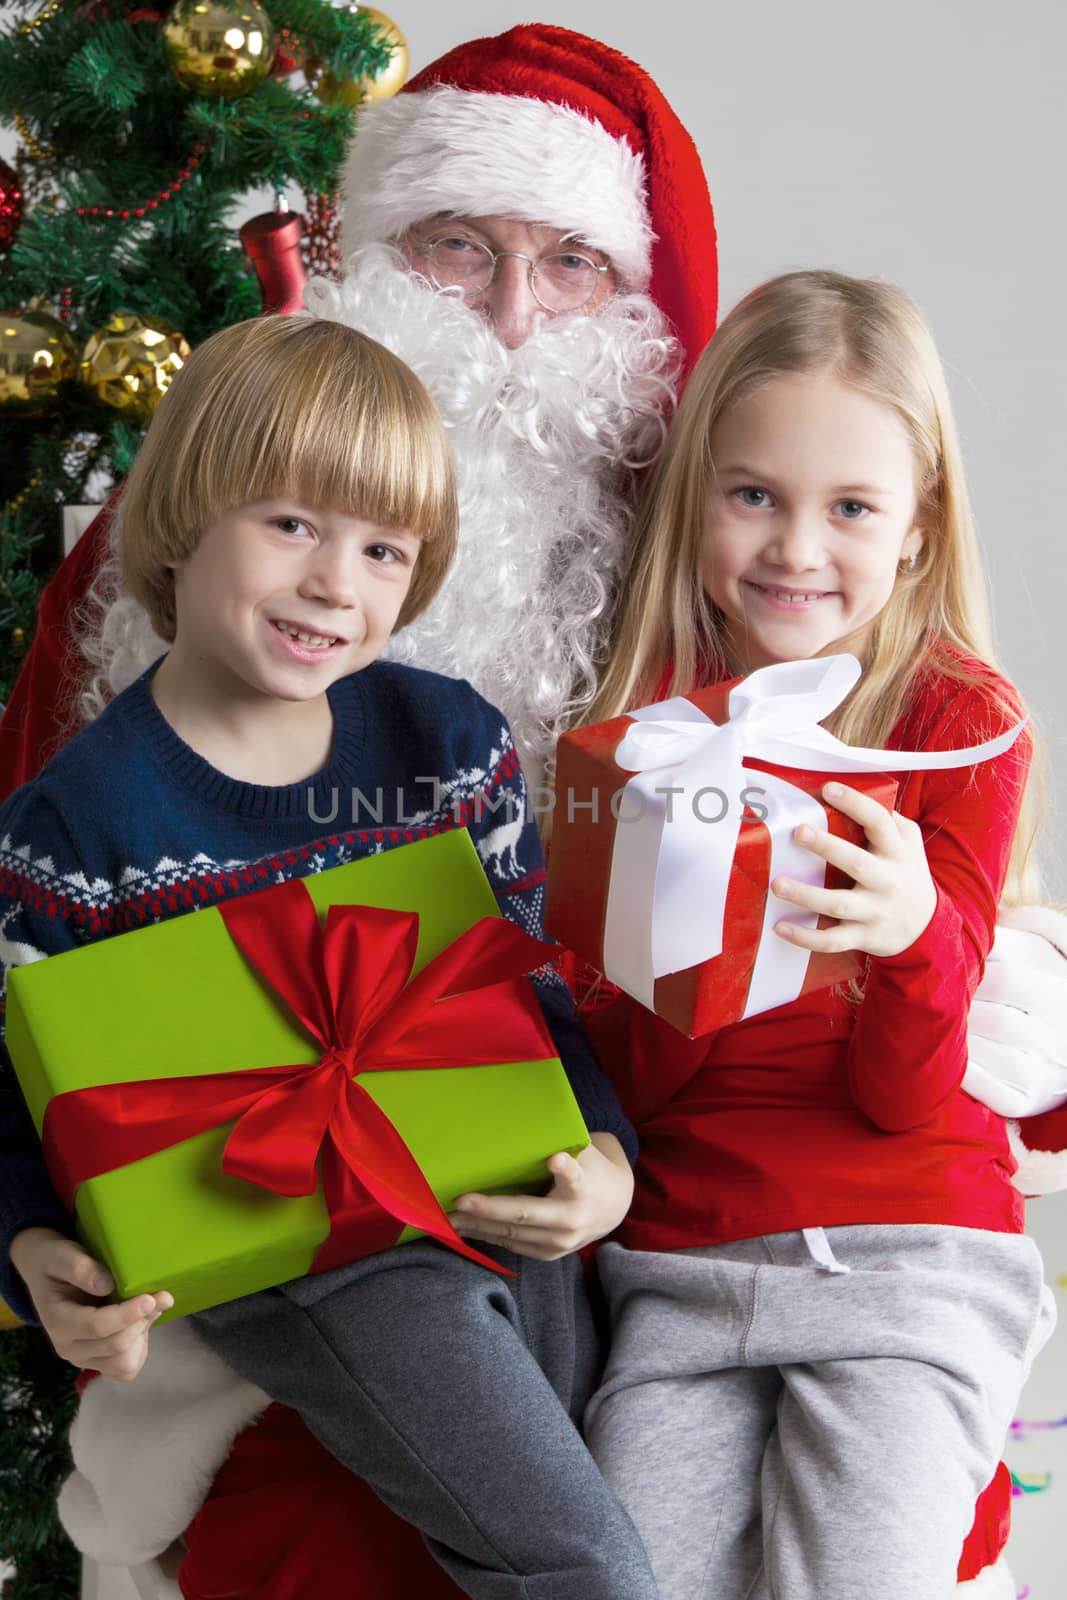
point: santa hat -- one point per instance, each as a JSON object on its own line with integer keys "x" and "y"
{"x": 551, "y": 127}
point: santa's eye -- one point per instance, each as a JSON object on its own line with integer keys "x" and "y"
{"x": 455, "y": 244}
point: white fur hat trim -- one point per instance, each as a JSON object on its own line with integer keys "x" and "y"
{"x": 474, "y": 154}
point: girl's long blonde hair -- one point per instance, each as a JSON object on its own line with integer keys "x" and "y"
{"x": 871, "y": 336}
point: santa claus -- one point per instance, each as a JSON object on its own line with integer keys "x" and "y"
{"x": 530, "y": 230}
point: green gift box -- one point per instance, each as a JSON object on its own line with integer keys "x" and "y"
{"x": 180, "y": 1000}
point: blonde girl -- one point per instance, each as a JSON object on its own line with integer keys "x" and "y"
{"x": 823, "y": 1305}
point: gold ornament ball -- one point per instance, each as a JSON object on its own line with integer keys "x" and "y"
{"x": 129, "y": 364}
{"x": 214, "y": 49}
{"x": 37, "y": 358}
{"x": 357, "y": 91}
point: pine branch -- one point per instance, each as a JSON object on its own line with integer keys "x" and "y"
{"x": 36, "y": 1404}
{"x": 113, "y": 67}
{"x": 350, "y": 45}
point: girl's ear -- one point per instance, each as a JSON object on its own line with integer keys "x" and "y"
{"x": 913, "y": 545}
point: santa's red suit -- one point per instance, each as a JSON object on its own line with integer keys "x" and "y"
{"x": 537, "y": 124}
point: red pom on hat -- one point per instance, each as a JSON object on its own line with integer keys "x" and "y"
{"x": 546, "y": 125}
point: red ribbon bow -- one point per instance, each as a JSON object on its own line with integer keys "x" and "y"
{"x": 348, "y": 984}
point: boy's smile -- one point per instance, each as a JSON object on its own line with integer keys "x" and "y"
{"x": 813, "y": 506}
{"x": 307, "y": 644}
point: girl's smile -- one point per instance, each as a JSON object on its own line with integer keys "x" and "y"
{"x": 787, "y": 599}
{"x": 812, "y": 507}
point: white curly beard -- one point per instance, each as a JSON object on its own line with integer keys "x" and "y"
{"x": 545, "y": 440}
{"x": 116, "y": 637}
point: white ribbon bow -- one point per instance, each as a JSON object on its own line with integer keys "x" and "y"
{"x": 672, "y": 856}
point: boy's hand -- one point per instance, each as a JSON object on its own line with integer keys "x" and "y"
{"x": 589, "y": 1197}
{"x": 66, "y": 1286}
{"x": 893, "y": 895}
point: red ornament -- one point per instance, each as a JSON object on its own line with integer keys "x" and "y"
{"x": 323, "y": 245}
{"x": 10, "y": 206}
{"x": 272, "y": 243}
{"x": 185, "y": 173}
{"x": 289, "y": 54}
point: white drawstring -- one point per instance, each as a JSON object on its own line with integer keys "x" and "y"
{"x": 819, "y": 1249}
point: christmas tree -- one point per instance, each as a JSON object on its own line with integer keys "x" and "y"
{"x": 139, "y": 131}
{"x": 37, "y": 1399}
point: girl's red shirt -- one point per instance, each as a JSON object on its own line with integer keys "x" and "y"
{"x": 830, "y": 1110}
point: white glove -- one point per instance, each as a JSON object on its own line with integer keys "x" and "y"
{"x": 1017, "y": 1035}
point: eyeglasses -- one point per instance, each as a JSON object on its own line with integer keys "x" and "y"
{"x": 564, "y": 280}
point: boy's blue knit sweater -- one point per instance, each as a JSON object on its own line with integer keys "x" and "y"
{"x": 128, "y": 825}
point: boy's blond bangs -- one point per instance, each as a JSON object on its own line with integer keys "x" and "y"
{"x": 287, "y": 406}
{"x": 871, "y": 335}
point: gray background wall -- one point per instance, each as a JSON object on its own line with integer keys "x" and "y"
{"x": 923, "y": 141}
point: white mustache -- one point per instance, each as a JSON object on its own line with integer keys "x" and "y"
{"x": 584, "y": 389}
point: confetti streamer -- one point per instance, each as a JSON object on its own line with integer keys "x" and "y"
{"x": 1033, "y": 1483}
{"x": 1022, "y": 1430}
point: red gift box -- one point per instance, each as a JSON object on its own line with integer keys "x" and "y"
{"x": 591, "y": 798}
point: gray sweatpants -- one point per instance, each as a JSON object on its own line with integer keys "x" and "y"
{"x": 455, "y": 1393}
{"x": 780, "y": 1431}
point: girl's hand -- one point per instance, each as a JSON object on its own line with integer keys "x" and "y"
{"x": 66, "y": 1286}
{"x": 893, "y": 895}
{"x": 589, "y": 1197}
